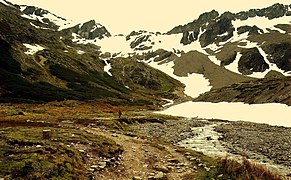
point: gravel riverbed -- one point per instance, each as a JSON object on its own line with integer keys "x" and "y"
{"x": 260, "y": 142}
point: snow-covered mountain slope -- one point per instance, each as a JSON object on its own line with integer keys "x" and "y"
{"x": 211, "y": 52}
{"x": 45, "y": 17}
{"x": 41, "y": 64}
{"x": 242, "y": 43}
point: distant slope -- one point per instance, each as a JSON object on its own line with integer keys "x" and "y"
{"x": 231, "y": 38}
{"x": 196, "y": 62}
{"x": 41, "y": 64}
{"x": 253, "y": 92}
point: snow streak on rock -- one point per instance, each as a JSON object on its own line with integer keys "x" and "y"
{"x": 32, "y": 49}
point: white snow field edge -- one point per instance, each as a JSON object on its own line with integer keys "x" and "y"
{"x": 271, "y": 113}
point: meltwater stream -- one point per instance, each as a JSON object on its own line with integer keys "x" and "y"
{"x": 206, "y": 139}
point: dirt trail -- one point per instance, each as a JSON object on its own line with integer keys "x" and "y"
{"x": 145, "y": 159}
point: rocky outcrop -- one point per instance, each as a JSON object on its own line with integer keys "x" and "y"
{"x": 219, "y": 31}
{"x": 138, "y": 40}
{"x": 280, "y": 54}
{"x": 252, "y": 61}
{"x": 88, "y": 30}
{"x": 196, "y": 24}
{"x": 40, "y": 13}
{"x": 32, "y": 10}
{"x": 215, "y": 25}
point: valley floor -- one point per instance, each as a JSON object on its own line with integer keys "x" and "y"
{"x": 139, "y": 145}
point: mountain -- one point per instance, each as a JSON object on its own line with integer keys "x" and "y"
{"x": 39, "y": 63}
{"x": 73, "y": 60}
{"x": 258, "y": 39}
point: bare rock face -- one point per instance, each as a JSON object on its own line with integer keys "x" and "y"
{"x": 88, "y": 30}
{"x": 252, "y": 61}
{"x": 280, "y": 54}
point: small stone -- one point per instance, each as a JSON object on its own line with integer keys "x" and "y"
{"x": 21, "y": 113}
{"x": 187, "y": 154}
{"x": 181, "y": 164}
{"x": 94, "y": 167}
{"x": 192, "y": 159}
{"x": 173, "y": 160}
{"x": 136, "y": 178}
{"x": 102, "y": 165}
{"x": 160, "y": 175}
{"x": 207, "y": 169}
{"x": 200, "y": 165}
{"x": 38, "y": 146}
{"x": 162, "y": 168}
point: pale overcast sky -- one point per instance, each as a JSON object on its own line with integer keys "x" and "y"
{"x": 123, "y": 16}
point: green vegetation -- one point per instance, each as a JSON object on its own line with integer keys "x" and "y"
{"x": 25, "y": 154}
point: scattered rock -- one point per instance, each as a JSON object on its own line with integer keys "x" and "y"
{"x": 94, "y": 167}
{"x": 174, "y": 160}
{"x": 187, "y": 154}
{"x": 207, "y": 169}
{"x": 102, "y": 164}
{"x": 160, "y": 175}
{"x": 21, "y": 113}
{"x": 136, "y": 178}
{"x": 162, "y": 168}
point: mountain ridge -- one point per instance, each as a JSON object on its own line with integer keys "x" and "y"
{"x": 237, "y": 53}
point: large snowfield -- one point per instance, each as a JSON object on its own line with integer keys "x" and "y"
{"x": 273, "y": 114}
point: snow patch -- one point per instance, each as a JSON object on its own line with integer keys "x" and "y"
{"x": 119, "y": 45}
{"x": 80, "y": 52}
{"x": 271, "y": 113}
{"x": 107, "y": 67}
{"x": 32, "y": 49}
{"x": 5, "y": 3}
{"x": 214, "y": 60}
{"x": 170, "y": 102}
{"x": 196, "y": 84}
{"x": 234, "y": 65}
{"x": 38, "y": 27}
{"x": 224, "y": 34}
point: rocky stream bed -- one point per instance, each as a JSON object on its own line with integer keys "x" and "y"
{"x": 262, "y": 143}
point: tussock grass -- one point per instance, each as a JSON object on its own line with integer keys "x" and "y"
{"x": 245, "y": 169}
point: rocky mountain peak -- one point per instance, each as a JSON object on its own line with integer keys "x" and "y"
{"x": 88, "y": 30}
